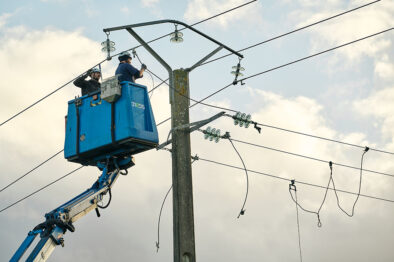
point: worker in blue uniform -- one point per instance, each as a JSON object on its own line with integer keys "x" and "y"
{"x": 91, "y": 85}
{"x": 126, "y": 71}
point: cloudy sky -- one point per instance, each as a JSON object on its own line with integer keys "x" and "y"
{"x": 345, "y": 94}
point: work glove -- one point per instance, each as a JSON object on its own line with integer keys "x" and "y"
{"x": 143, "y": 66}
{"x": 89, "y": 72}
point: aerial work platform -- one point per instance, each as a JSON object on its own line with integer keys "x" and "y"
{"x": 97, "y": 129}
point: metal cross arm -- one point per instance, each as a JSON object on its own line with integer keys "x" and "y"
{"x": 190, "y": 128}
{"x": 107, "y": 30}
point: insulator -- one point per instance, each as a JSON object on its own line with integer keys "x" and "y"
{"x": 207, "y": 132}
{"x": 247, "y": 121}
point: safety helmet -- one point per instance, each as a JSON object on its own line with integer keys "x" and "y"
{"x": 124, "y": 55}
{"x": 96, "y": 70}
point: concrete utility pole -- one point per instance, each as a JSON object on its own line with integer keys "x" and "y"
{"x": 182, "y": 184}
{"x": 183, "y": 215}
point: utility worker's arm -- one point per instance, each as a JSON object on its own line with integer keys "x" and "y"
{"x": 142, "y": 70}
{"x": 80, "y": 81}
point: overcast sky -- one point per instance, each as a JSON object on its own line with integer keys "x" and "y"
{"x": 345, "y": 94}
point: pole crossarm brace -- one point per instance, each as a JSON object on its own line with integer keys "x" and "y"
{"x": 107, "y": 30}
{"x": 190, "y": 128}
{"x": 204, "y": 59}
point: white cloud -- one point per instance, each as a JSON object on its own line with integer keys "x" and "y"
{"x": 3, "y": 19}
{"x": 384, "y": 68}
{"x": 380, "y": 105}
{"x": 201, "y": 9}
{"x": 360, "y": 23}
{"x": 149, "y": 3}
{"x": 125, "y": 10}
{"x": 33, "y": 63}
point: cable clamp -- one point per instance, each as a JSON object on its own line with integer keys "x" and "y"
{"x": 292, "y": 185}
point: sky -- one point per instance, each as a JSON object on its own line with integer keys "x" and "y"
{"x": 344, "y": 95}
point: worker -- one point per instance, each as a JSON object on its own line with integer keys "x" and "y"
{"x": 126, "y": 71}
{"x": 89, "y": 86}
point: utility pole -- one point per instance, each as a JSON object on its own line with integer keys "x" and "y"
{"x": 182, "y": 184}
{"x": 183, "y": 215}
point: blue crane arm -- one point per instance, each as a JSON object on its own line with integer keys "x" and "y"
{"x": 61, "y": 219}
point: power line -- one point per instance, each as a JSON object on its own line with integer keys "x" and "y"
{"x": 310, "y": 56}
{"x": 276, "y": 37}
{"x": 281, "y": 66}
{"x": 98, "y": 64}
{"x": 31, "y": 170}
{"x": 38, "y": 190}
{"x": 298, "y": 181}
{"x": 311, "y": 158}
{"x": 293, "y": 31}
{"x": 323, "y": 138}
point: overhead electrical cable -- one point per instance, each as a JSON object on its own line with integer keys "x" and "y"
{"x": 298, "y": 181}
{"x": 31, "y": 170}
{"x": 293, "y": 31}
{"x": 316, "y": 54}
{"x": 278, "y": 67}
{"x": 98, "y": 64}
{"x": 249, "y": 47}
{"x": 311, "y": 158}
{"x": 38, "y": 190}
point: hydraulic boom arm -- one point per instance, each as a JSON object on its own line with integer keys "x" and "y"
{"x": 62, "y": 218}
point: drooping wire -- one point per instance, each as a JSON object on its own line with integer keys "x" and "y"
{"x": 242, "y": 212}
{"x": 293, "y": 187}
{"x": 289, "y": 180}
{"x": 38, "y": 190}
{"x": 162, "y": 205}
{"x": 109, "y": 200}
{"x": 359, "y": 187}
{"x": 331, "y": 179}
{"x": 158, "y": 222}
{"x": 31, "y": 170}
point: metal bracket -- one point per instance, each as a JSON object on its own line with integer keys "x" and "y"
{"x": 190, "y": 128}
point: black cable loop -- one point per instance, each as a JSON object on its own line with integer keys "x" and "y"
{"x": 299, "y": 182}
{"x": 366, "y": 149}
{"x": 242, "y": 212}
{"x": 158, "y": 223}
{"x": 109, "y": 200}
{"x": 162, "y": 205}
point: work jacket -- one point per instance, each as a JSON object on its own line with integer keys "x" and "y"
{"x": 87, "y": 86}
